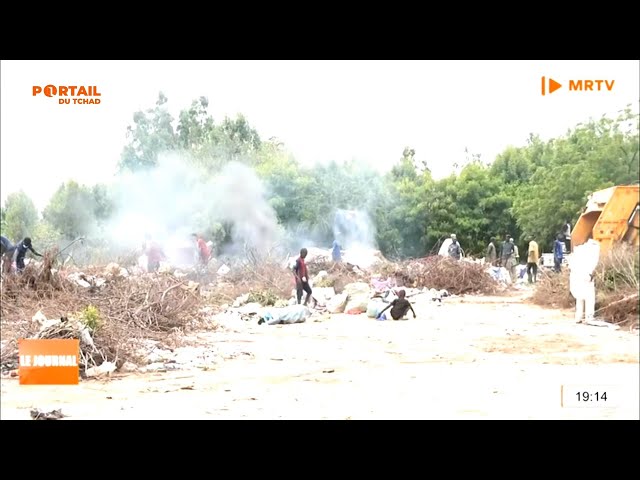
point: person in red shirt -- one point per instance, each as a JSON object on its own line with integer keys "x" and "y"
{"x": 301, "y": 275}
{"x": 154, "y": 254}
{"x": 204, "y": 253}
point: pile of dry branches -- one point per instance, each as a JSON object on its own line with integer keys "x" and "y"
{"x": 552, "y": 289}
{"x": 135, "y": 307}
{"x": 617, "y": 280}
{"x": 617, "y": 285}
{"x": 338, "y": 274}
{"x": 269, "y": 277}
{"x": 458, "y": 277}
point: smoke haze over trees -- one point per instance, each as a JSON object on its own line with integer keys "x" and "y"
{"x": 218, "y": 177}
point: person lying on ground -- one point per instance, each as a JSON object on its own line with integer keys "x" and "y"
{"x": 301, "y": 275}
{"x": 399, "y": 307}
{"x": 21, "y": 250}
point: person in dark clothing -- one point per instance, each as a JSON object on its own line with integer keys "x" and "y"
{"x": 21, "y": 251}
{"x": 336, "y": 252}
{"x": 506, "y": 253}
{"x": 6, "y": 253}
{"x": 5, "y": 245}
{"x": 399, "y": 307}
{"x": 302, "y": 277}
{"x": 558, "y": 253}
{"x": 455, "y": 251}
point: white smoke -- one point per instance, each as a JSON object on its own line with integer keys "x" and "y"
{"x": 174, "y": 200}
{"x": 355, "y": 232}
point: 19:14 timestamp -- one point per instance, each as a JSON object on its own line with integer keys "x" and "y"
{"x": 603, "y": 396}
{"x": 591, "y": 396}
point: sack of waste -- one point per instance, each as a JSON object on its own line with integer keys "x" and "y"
{"x": 357, "y": 304}
{"x": 286, "y": 315}
{"x": 374, "y": 308}
{"x": 337, "y": 303}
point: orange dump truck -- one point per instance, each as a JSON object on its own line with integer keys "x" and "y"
{"x": 611, "y": 216}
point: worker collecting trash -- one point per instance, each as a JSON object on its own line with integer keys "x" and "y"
{"x": 583, "y": 263}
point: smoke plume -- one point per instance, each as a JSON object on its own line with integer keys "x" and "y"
{"x": 174, "y": 200}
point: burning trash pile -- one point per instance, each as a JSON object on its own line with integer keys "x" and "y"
{"x": 458, "y": 277}
{"x": 107, "y": 309}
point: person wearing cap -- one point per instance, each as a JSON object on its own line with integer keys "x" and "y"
{"x": 21, "y": 250}
{"x": 455, "y": 251}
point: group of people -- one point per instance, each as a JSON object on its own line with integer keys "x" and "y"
{"x": 399, "y": 306}
{"x": 155, "y": 253}
{"x": 509, "y": 257}
{"x": 11, "y": 253}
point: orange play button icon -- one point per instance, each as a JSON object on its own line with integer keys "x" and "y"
{"x": 553, "y": 85}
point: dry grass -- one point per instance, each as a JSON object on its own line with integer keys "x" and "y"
{"x": 131, "y": 309}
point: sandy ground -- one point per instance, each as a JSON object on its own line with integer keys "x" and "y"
{"x": 471, "y": 358}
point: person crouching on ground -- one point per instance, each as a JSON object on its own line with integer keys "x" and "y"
{"x": 399, "y": 307}
{"x": 302, "y": 277}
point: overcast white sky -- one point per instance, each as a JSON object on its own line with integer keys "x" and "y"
{"x": 322, "y": 110}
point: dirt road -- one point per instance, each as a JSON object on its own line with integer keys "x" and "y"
{"x": 471, "y": 358}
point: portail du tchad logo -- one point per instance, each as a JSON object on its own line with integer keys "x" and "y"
{"x": 48, "y": 361}
{"x": 70, "y": 94}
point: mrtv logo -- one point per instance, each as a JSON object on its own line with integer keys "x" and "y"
{"x": 70, "y": 94}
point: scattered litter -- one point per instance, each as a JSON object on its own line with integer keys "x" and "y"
{"x": 37, "y": 414}
{"x": 600, "y": 323}
{"x": 104, "y": 369}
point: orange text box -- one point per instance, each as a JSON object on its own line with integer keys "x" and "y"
{"x": 48, "y": 362}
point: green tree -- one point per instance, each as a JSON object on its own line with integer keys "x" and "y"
{"x": 71, "y": 210}
{"x": 20, "y": 216}
{"x": 103, "y": 204}
{"x": 152, "y": 133}
{"x": 593, "y": 156}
